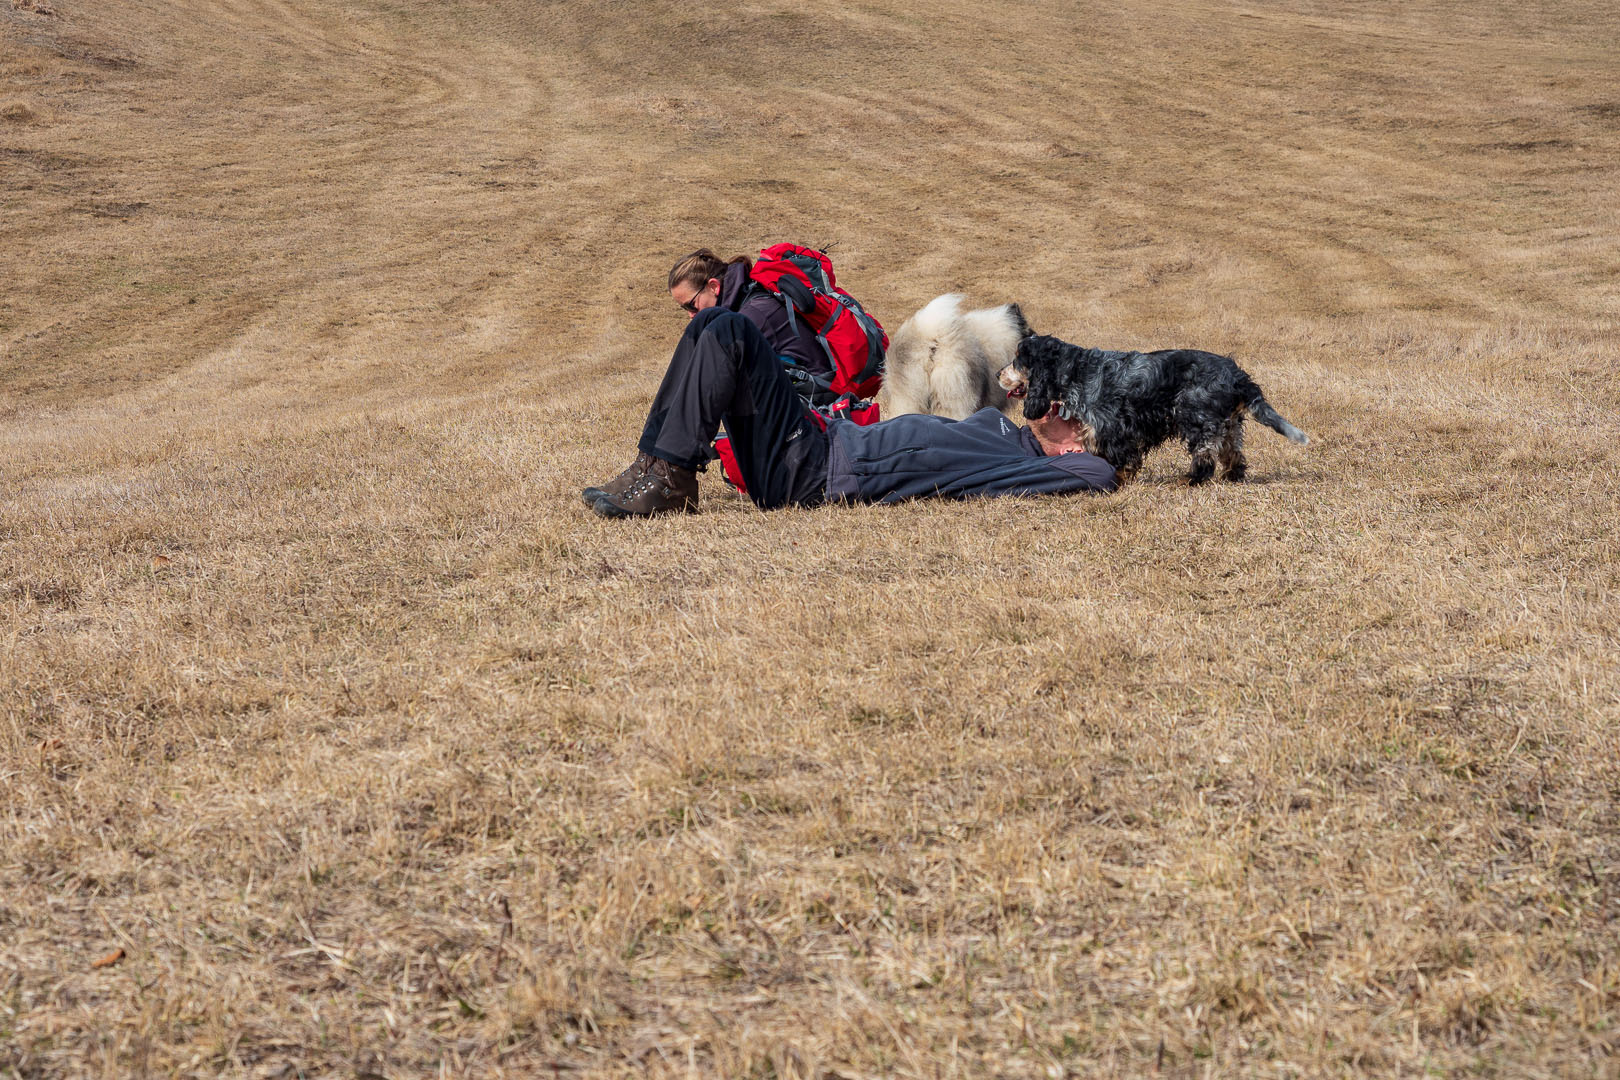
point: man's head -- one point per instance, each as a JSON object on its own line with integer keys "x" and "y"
{"x": 1059, "y": 434}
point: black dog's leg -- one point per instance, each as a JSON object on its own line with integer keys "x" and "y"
{"x": 1126, "y": 457}
{"x": 1203, "y": 443}
{"x": 1231, "y": 463}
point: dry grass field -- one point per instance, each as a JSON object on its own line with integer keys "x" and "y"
{"x": 338, "y": 739}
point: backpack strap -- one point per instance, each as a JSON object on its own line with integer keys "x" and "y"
{"x": 796, "y": 293}
{"x": 793, "y": 293}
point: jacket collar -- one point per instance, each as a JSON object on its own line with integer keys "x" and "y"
{"x": 734, "y": 286}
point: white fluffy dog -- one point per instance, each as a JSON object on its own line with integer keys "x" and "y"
{"x": 944, "y": 360}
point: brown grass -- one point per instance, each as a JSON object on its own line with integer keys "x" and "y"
{"x": 325, "y": 702}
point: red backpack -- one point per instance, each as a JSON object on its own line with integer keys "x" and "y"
{"x": 803, "y": 279}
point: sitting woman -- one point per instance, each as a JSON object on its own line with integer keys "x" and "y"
{"x": 703, "y": 280}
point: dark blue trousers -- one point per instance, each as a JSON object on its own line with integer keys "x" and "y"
{"x": 724, "y": 371}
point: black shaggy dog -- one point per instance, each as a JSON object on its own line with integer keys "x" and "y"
{"x": 1131, "y": 402}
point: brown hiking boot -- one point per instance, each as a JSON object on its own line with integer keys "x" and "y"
{"x": 621, "y": 483}
{"x": 662, "y": 489}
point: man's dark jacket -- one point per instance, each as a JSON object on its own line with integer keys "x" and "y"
{"x": 918, "y": 456}
{"x": 795, "y": 340}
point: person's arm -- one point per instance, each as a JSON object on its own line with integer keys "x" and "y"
{"x": 1096, "y": 473}
{"x": 794, "y": 340}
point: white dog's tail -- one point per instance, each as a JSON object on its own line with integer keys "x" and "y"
{"x": 938, "y": 317}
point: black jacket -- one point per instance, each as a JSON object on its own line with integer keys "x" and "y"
{"x": 795, "y": 341}
{"x": 917, "y": 456}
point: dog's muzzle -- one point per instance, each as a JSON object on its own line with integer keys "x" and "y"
{"x": 1012, "y": 380}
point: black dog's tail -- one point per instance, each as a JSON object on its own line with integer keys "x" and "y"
{"x": 1261, "y": 410}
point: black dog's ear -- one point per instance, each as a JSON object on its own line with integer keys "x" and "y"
{"x": 1037, "y": 386}
{"x": 1017, "y": 315}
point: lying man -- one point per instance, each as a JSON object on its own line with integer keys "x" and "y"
{"x": 723, "y": 371}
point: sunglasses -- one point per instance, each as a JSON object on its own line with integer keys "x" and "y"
{"x": 691, "y": 305}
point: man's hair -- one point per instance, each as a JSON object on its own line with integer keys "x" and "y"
{"x": 697, "y": 268}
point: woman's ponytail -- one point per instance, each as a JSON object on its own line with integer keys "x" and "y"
{"x": 696, "y": 269}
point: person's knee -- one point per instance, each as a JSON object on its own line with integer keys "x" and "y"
{"x": 729, "y": 329}
{"x": 701, "y": 324}
{"x": 710, "y": 319}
